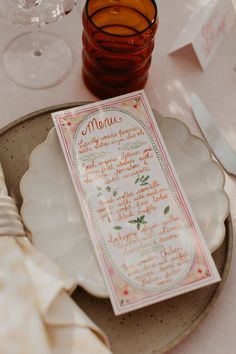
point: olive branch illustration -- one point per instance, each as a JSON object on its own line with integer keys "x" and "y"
{"x": 142, "y": 181}
{"x": 108, "y": 189}
{"x": 140, "y": 220}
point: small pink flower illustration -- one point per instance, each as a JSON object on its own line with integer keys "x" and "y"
{"x": 126, "y": 292}
{"x": 200, "y": 270}
{"x": 124, "y": 295}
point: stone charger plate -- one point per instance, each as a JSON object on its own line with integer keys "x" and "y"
{"x": 154, "y": 329}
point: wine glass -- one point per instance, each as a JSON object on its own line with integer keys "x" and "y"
{"x": 36, "y": 59}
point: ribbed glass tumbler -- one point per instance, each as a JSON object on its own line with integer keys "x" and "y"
{"x": 118, "y": 40}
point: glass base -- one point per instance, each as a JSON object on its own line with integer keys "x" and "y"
{"x": 37, "y": 68}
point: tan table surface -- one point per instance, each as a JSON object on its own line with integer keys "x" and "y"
{"x": 171, "y": 80}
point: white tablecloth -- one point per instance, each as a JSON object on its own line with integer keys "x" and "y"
{"x": 171, "y": 80}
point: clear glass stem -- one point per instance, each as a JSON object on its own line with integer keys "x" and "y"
{"x": 36, "y": 43}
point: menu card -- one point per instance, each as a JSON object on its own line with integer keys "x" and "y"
{"x": 147, "y": 241}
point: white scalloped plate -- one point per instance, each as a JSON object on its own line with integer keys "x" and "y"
{"x": 53, "y": 215}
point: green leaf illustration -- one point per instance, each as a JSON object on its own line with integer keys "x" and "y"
{"x": 166, "y": 210}
{"x": 146, "y": 178}
{"x": 143, "y": 180}
{"x": 117, "y": 228}
{"x": 132, "y": 145}
{"x": 108, "y": 188}
{"x": 138, "y": 221}
{"x": 93, "y": 156}
{"x": 114, "y": 193}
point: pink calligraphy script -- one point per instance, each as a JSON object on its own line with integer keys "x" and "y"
{"x": 212, "y": 31}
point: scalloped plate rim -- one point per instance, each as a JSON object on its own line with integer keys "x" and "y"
{"x": 90, "y": 289}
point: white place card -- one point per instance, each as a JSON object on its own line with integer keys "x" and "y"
{"x": 206, "y": 30}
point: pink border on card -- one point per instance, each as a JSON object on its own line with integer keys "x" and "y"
{"x": 181, "y": 199}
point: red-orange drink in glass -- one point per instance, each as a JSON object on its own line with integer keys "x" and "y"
{"x": 118, "y": 40}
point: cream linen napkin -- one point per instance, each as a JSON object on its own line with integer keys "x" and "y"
{"x": 37, "y": 314}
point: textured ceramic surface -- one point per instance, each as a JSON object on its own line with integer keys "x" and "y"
{"x": 168, "y": 322}
{"x": 52, "y": 212}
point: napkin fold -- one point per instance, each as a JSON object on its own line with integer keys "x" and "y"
{"x": 37, "y": 314}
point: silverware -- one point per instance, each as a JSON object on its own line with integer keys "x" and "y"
{"x": 218, "y": 143}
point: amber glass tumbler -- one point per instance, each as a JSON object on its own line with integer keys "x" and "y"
{"x": 118, "y": 40}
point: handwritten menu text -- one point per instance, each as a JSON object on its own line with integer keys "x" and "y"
{"x": 146, "y": 240}
{"x": 140, "y": 222}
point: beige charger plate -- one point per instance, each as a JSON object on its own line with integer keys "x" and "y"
{"x": 155, "y": 329}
